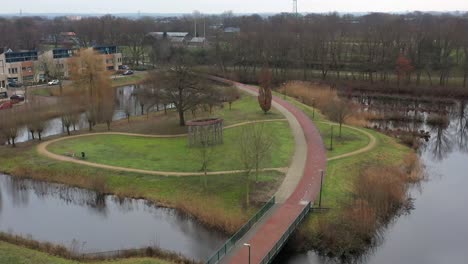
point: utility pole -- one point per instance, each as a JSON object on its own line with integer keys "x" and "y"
{"x": 195, "y": 19}
{"x": 295, "y": 7}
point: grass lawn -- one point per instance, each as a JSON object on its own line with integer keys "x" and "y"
{"x": 350, "y": 140}
{"x": 12, "y": 254}
{"x": 173, "y": 154}
{"x": 245, "y": 109}
{"x": 129, "y": 79}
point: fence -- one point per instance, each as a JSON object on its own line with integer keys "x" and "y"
{"x": 231, "y": 242}
{"x": 279, "y": 245}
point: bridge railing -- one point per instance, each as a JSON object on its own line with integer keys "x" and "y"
{"x": 282, "y": 241}
{"x": 231, "y": 242}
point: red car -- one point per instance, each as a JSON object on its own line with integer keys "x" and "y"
{"x": 6, "y": 105}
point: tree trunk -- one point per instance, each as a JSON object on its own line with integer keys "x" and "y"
{"x": 32, "y": 134}
{"x": 13, "y": 142}
{"x": 142, "y": 109}
{"x": 247, "y": 191}
{"x": 256, "y": 172}
{"x": 68, "y": 130}
{"x": 181, "y": 118}
{"x": 465, "y": 78}
{"x": 90, "y": 123}
{"x": 39, "y": 134}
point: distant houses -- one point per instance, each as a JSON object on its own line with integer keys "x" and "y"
{"x": 179, "y": 39}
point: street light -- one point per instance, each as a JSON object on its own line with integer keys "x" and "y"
{"x": 248, "y": 245}
{"x": 321, "y": 185}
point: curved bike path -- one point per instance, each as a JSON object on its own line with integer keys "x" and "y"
{"x": 302, "y": 184}
{"x": 42, "y": 150}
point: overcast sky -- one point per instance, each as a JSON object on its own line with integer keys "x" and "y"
{"x": 218, "y": 6}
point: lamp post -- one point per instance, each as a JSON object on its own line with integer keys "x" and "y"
{"x": 313, "y": 109}
{"x": 248, "y": 245}
{"x": 321, "y": 185}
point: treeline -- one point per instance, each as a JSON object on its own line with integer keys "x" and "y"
{"x": 414, "y": 48}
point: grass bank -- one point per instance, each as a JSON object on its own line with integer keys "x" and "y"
{"x": 12, "y": 254}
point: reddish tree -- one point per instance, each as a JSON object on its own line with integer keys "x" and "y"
{"x": 403, "y": 67}
{"x": 264, "y": 92}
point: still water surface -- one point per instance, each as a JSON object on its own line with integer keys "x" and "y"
{"x": 88, "y": 222}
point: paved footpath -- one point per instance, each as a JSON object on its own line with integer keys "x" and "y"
{"x": 302, "y": 184}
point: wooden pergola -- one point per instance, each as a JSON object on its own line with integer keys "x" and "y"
{"x": 205, "y": 132}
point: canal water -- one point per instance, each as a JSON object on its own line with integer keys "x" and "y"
{"x": 87, "y": 222}
{"x": 435, "y": 231}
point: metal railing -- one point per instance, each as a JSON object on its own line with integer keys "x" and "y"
{"x": 231, "y": 242}
{"x": 282, "y": 241}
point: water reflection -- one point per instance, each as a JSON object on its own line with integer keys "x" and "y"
{"x": 90, "y": 222}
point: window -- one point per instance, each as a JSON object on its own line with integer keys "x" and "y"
{"x": 21, "y": 56}
{"x": 12, "y": 70}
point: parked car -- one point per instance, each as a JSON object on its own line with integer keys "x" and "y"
{"x": 6, "y": 105}
{"x": 129, "y": 72}
{"x": 14, "y": 84}
{"x": 54, "y": 82}
{"x": 16, "y": 98}
{"x": 123, "y": 67}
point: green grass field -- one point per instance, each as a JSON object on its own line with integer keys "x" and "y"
{"x": 11, "y": 254}
{"x": 173, "y": 154}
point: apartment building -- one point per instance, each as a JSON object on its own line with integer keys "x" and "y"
{"x": 17, "y": 67}
{"x": 111, "y": 56}
{"x": 24, "y": 67}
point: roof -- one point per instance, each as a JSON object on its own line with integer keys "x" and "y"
{"x": 232, "y": 29}
{"x": 169, "y": 34}
{"x": 177, "y": 40}
{"x": 197, "y": 40}
{"x": 71, "y": 34}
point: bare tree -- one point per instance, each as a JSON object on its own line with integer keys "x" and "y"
{"x": 255, "y": 144}
{"x": 70, "y": 112}
{"x": 231, "y": 94}
{"x": 181, "y": 87}
{"x": 205, "y": 155}
{"x": 338, "y": 110}
{"x": 35, "y": 118}
{"x": 9, "y": 126}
